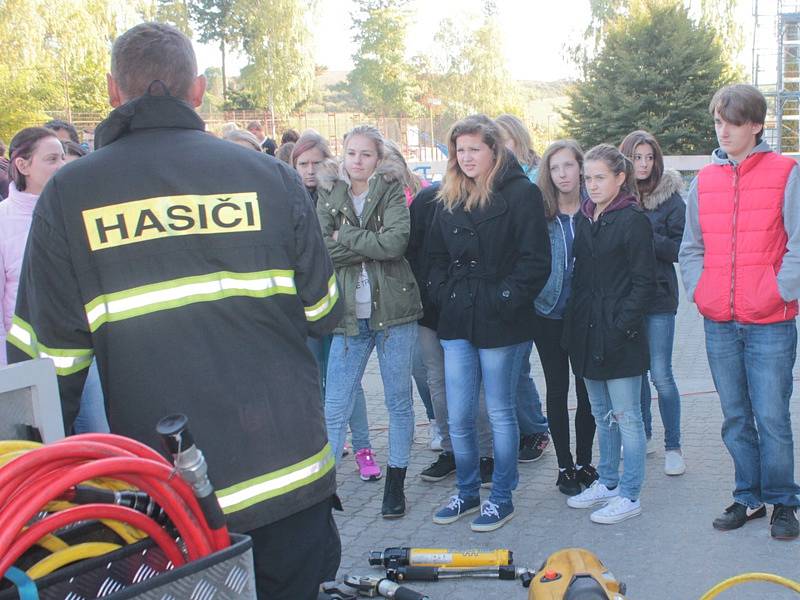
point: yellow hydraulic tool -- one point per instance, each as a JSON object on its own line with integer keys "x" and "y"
{"x": 439, "y": 557}
{"x": 577, "y": 574}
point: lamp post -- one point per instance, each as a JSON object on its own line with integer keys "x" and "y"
{"x": 431, "y": 103}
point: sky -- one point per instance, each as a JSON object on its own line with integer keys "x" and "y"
{"x": 535, "y": 33}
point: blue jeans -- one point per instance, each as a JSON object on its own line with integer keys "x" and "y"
{"x": 529, "y": 405}
{"x": 420, "y": 373}
{"x": 465, "y": 366}
{"x": 752, "y": 370}
{"x": 92, "y": 414}
{"x": 617, "y": 412}
{"x": 346, "y": 364}
{"x": 359, "y": 425}
{"x": 433, "y": 354}
{"x": 660, "y": 328}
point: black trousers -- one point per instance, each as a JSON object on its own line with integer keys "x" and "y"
{"x": 555, "y": 364}
{"x": 295, "y": 555}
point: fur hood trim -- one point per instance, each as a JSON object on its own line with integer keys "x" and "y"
{"x": 327, "y": 174}
{"x": 331, "y": 171}
{"x": 671, "y": 182}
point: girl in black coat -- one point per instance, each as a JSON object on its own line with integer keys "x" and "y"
{"x": 660, "y": 193}
{"x": 612, "y": 286}
{"x": 490, "y": 257}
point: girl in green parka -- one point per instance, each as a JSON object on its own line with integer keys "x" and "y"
{"x": 366, "y": 226}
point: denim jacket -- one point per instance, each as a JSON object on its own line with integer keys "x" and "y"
{"x": 548, "y": 298}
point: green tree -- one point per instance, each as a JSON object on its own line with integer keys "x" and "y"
{"x": 721, "y": 15}
{"x": 220, "y": 21}
{"x": 469, "y": 73}
{"x": 280, "y": 70}
{"x": 173, "y": 12}
{"x": 657, "y": 71}
{"x": 55, "y": 59}
{"x": 382, "y": 80}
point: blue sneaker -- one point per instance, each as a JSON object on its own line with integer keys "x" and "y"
{"x": 455, "y": 509}
{"x": 493, "y": 516}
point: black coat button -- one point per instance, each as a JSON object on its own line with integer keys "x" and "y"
{"x": 473, "y": 264}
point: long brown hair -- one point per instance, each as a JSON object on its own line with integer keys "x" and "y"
{"x": 457, "y": 188}
{"x": 628, "y": 147}
{"x": 617, "y": 162}
{"x": 545, "y": 180}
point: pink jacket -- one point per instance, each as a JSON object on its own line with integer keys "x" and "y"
{"x": 16, "y": 213}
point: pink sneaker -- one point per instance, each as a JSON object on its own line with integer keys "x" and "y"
{"x": 367, "y": 467}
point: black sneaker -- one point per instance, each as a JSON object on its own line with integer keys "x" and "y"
{"x": 737, "y": 515}
{"x": 487, "y": 470}
{"x": 443, "y": 466}
{"x": 567, "y": 482}
{"x": 586, "y": 475}
{"x": 531, "y": 447}
{"x": 784, "y": 523}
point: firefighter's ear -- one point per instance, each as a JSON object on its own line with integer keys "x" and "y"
{"x": 196, "y": 91}
{"x": 114, "y": 95}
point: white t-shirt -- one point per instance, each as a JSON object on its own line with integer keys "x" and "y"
{"x": 363, "y": 290}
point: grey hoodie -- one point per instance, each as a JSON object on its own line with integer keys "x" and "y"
{"x": 692, "y": 249}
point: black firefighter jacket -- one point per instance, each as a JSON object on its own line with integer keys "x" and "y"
{"x": 193, "y": 270}
{"x": 488, "y": 265}
{"x": 612, "y": 286}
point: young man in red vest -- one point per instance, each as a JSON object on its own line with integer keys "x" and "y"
{"x": 740, "y": 263}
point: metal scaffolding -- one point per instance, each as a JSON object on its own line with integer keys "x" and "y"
{"x": 776, "y": 69}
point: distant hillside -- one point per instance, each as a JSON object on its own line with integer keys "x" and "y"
{"x": 329, "y": 78}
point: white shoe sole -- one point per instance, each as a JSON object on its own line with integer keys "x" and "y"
{"x": 603, "y": 520}
{"x": 448, "y": 520}
{"x": 492, "y": 526}
{"x": 573, "y": 503}
{"x": 680, "y": 470}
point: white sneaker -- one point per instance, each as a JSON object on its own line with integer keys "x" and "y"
{"x": 618, "y": 509}
{"x": 674, "y": 463}
{"x": 651, "y": 446}
{"x": 595, "y": 494}
{"x": 436, "y": 436}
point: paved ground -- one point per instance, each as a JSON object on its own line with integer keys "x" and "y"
{"x": 670, "y": 552}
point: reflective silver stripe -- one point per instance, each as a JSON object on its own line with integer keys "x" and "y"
{"x": 66, "y": 361}
{"x": 274, "y": 484}
{"x": 324, "y": 306}
{"x": 171, "y": 293}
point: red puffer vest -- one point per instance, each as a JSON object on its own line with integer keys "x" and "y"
{"x": 741, "y": 216}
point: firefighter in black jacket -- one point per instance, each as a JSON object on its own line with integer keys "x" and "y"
{"x": 193, "y": 270}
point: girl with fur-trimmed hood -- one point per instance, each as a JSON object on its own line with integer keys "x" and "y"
{"x": 366, "y": 227}
{"x": 660, "y": 194}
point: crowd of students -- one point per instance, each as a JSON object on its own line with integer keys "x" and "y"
{"x": 454, "y": 283}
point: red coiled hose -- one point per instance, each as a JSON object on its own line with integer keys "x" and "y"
{"x": 29, "y": 482}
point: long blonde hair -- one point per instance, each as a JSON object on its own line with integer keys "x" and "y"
{"x": 513, "y": 129}
{"x": 457, "y": 188}
{"x": 393, "y": 156}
